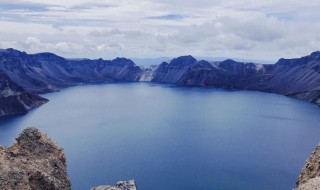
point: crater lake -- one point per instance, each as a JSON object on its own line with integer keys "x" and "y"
{"x": 167, "y": 137}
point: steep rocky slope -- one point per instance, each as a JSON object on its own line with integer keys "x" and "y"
{"x": 14, "y": 99}
{"x": 299, "y": 78}
{"x": 309, "y": 178}
{"x": 46, "y": 72}
{"x": 33, "y": 162}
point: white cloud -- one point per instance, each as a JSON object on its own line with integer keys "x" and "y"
{"x": 32, "y": 42}
{"x": 151, "y": 28}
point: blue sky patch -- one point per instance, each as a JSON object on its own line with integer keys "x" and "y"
{"x": 169, "y": 17}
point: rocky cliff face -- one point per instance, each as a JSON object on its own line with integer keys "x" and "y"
{"x": 299, "y": 78}
{"x": 14, "y": 99}
{"x": 309, "y": 178}
{"x": 226, "y": 74}
{"x": 46, "y": 72}
{"x": 33, "y": 162}
{"x": 22, "y": 75}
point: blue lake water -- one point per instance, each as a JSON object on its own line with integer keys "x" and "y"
{"x": 175, "y": 138}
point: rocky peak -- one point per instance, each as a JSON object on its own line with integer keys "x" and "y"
{"x": 46, "y": 56}
{"x": 230, "y": 65}
{"x": 282, "y": 61}
{"x": 123, "y": 61}
{"x": 32, "y": 141}
{"x": 228, "y": 61}
{"x": 33, "y": 162}
{"x": 183, "y": 61}
{"x": 315, "y": 55}
{"x": 12, "y": 52}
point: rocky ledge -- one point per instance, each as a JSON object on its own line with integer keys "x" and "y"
{"x": 35, "y": 162}
{"x": 309, "y": 178}
{"x": 121, "y": 185}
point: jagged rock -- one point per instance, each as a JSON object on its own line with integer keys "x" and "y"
{"x": 33, "y": 162}
{"x": 309, "y": 178}
{"x": 121, "y": 185}
{"x": 311, "y": 184}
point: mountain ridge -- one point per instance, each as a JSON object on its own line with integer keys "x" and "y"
{"x": 47, "y": 72}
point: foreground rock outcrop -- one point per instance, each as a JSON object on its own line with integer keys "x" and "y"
{"x": 121, "y": 185}
{"x": 309, "y": 178}
{"x": 33, "y": 162}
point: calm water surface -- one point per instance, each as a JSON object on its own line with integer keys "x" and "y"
{"x": 175, "y": 138}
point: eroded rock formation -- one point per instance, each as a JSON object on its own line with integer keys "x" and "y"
{"x": 33, "y": 162}
{"x": 309, "y": 178}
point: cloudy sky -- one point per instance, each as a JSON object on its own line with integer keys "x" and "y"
{"x": 251, "y": 29}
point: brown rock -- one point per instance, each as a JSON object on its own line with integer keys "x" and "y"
{"x": 309, "y": 178}
{"x": 33, "y": 162}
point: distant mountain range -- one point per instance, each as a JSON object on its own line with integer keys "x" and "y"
{"x": 155, "y": 61}
{"x": 32, "y": 74}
